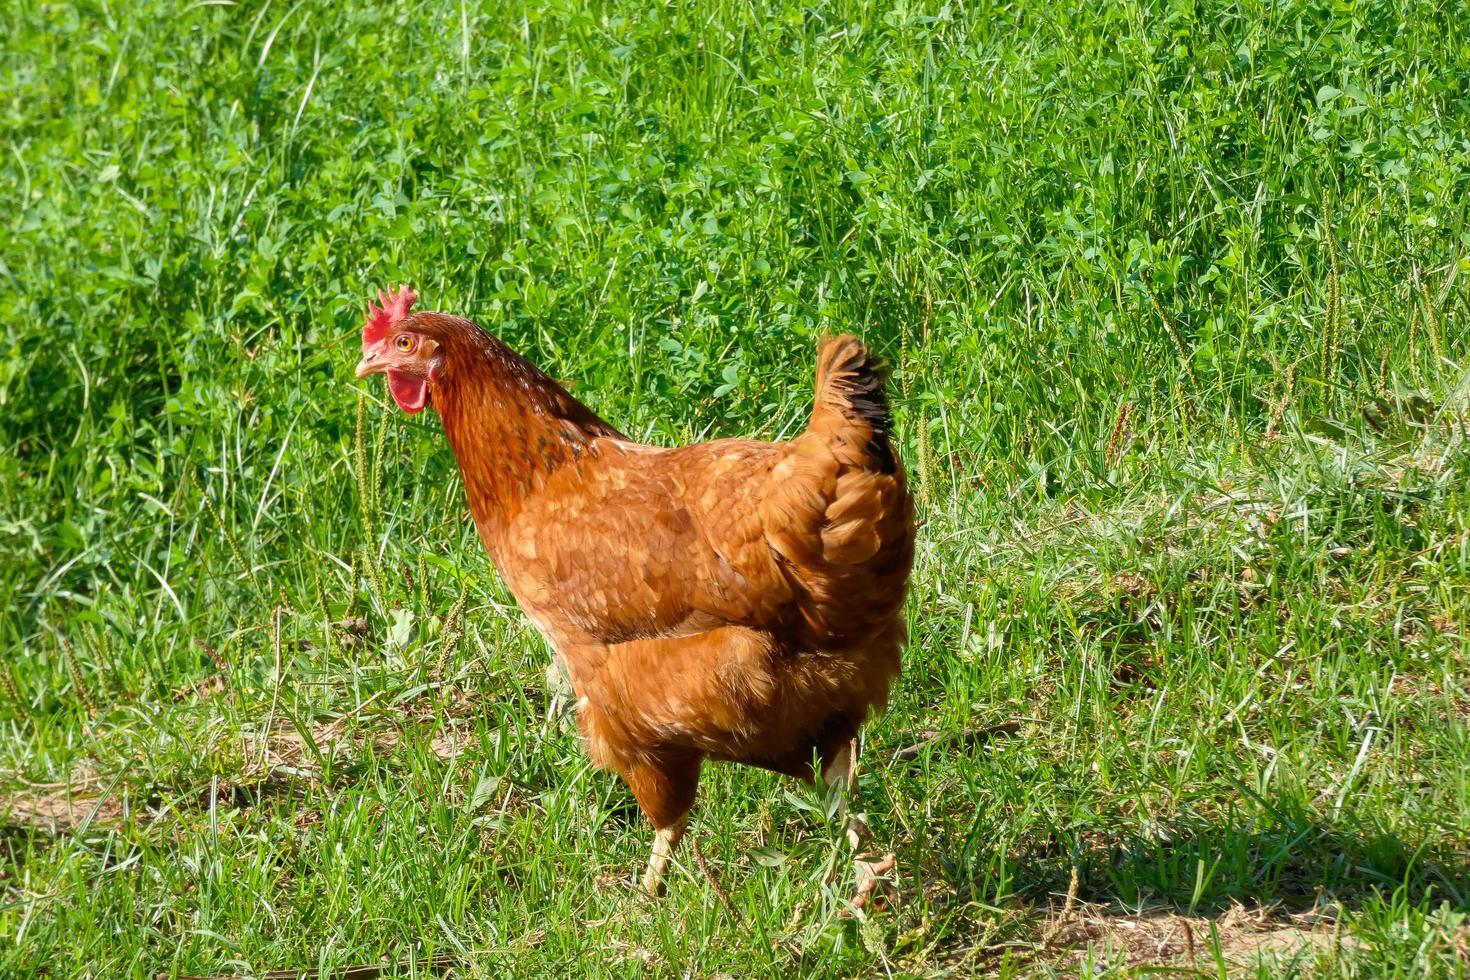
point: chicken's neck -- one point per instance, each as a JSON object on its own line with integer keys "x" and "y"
{"x": 511, "y": 427}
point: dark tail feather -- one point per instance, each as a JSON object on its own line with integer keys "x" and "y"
{"x": 850, "y": 382}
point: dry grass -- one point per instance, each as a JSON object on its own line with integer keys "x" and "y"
{"x": 1240, "y": 938}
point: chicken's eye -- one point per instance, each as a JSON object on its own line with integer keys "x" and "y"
{"x": 404, "y": 343}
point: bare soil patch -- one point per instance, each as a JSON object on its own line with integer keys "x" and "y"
{"x": 1165, "y": 938}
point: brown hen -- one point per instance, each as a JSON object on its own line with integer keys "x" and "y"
{"x": 731, "y": 600}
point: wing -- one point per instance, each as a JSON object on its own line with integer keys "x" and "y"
{"x": 642, "y": 542}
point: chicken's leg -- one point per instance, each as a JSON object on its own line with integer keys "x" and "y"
{"x": 840, "y": 769}
{"x": 664, "y": 789}
{"x": 665, "y": 839}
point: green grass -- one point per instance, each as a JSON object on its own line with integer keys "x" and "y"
{"x": 1176, "y": 297}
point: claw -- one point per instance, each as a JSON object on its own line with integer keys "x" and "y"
{"x": 872, "y": 884}
{"x": 652, "y": 885}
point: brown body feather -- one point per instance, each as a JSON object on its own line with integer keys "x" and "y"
{"x": 733, "y": 600}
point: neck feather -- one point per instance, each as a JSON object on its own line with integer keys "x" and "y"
{"x": 510, "y": 425}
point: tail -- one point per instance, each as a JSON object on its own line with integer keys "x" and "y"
{"x": 851, "y": 403}
{"x": 838, "y": 512}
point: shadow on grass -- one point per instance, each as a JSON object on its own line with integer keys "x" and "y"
{"x": 1283, "y": 860}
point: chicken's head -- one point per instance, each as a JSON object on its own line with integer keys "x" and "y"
{"x": 391, "y": 346}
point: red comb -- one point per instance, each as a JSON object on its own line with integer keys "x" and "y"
{"x": 392, "y": 308}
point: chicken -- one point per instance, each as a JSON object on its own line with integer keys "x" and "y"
{"x": 731, "y": 600}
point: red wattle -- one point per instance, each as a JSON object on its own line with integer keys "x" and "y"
{"x": 410, "y": 392}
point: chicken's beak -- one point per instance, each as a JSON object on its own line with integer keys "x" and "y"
{"x": 370, "y": 365}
